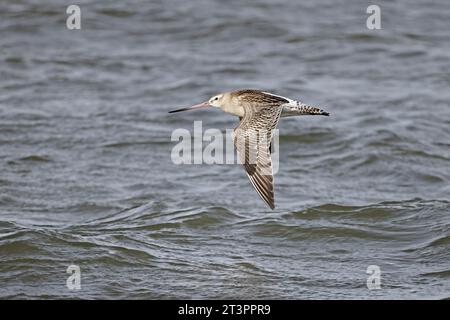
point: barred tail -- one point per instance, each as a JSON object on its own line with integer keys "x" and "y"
{"x": 296, "y": 108}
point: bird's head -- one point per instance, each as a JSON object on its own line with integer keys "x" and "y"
{"x": 216, "y": 101}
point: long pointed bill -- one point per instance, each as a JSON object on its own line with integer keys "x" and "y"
{"x": 197, "y": 106}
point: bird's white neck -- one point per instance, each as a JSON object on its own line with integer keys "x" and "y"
{"x": 234, "y": 109}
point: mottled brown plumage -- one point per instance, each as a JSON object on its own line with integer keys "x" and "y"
{"x": 259, "y": 113}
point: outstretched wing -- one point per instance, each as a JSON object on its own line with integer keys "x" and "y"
{"x": 252, "y": 138}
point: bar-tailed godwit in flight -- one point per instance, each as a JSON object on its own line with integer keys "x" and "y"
{"x": 258, "y": 112}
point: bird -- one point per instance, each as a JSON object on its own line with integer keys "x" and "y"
{"x": 259, "y": 112}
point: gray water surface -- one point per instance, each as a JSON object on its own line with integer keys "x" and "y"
{"x": 86, "y": 176}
